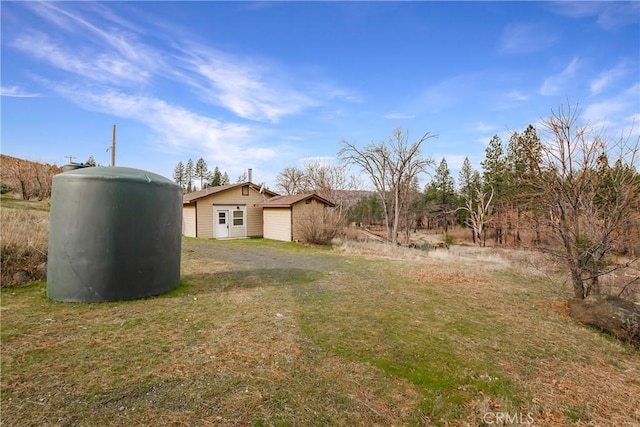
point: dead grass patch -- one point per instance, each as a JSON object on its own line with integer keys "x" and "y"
{"x": 25, "y": 234}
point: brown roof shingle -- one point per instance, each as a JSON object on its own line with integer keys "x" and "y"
{"x": 193, "y": 196}
{"x": 287, "y": 201}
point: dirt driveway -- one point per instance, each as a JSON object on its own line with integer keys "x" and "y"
{"x": 201, "y": 257}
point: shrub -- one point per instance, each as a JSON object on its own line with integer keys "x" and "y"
{"x": 4, "y": 188}
{"x": 448, "y": 239}
{"x": 320, "y": 226}
{"x": 424, "y": 246}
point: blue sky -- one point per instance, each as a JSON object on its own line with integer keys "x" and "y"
{"x": 266, "y": 85}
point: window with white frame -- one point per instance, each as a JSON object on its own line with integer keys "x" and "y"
{"x": 238, "y": 218}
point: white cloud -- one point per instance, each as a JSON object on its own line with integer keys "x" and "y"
{"x": 254, "y": 89}
{"x": 516, "y": 95}
{"x": 119, "y": 41}
{"x": 614, "y": 112}
{"x": 482, "y": 127}
{"x": 245, "y": 89}
{"x": 16, "y": 92}
{"x": 251, "y": 88}
{"x": 230, "y": 144}
{"x": 555, "y": 84}
{"x": 102, "y": 67}
{"x": 526, "y": 38}
{"x": 609, "y": 15}
{"x": 608, "y": 77}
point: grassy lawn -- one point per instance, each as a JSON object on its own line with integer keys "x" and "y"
{"x": 266, "y": 333}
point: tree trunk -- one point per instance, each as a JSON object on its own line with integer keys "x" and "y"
{"x": 613, "y": 315}
{"x": 576, "y": 279}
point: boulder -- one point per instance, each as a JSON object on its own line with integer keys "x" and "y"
{"x": 20, "y": 277}
{"x": 41, "y": 269}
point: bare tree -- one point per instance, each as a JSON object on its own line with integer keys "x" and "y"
{"x": 29, "y": 179}
{"x": 322, "y": 177}
{"x": 389, "y": 164}
{"x": 589, "y": 203}
{"x": 478, "y": 206}
{"x": 332, "y": 182}
{"x": 292, "y": 180}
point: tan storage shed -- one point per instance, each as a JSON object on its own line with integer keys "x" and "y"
{"x": 225, "y": 211}
{"x": 283, "y": 215}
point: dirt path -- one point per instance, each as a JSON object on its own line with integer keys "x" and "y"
{"x": 239, "y": 256}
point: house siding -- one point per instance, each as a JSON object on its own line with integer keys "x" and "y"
{"x": 232, "y": 197}
{"x": 277, "y": 224}
{"x": 189, "y": 221}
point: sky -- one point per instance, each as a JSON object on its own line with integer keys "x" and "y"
{"x": 267, "y": 85}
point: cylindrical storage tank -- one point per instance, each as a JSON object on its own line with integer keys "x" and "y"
{"x": 73, "y": 166}
{"x": 115, "y": 234}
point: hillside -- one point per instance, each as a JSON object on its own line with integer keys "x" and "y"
{"x": 28, "y": 179}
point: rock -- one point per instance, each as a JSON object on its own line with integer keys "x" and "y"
{"x": 616, "y": 316}
{"x": 42, "y": 270}
{"x": 20, "y": 277}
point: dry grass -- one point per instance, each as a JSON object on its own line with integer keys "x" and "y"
{"x": 267, "y": 333}
{"x": 25, "y": 231}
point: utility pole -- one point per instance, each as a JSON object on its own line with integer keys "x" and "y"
{"x": 113, "y": 147}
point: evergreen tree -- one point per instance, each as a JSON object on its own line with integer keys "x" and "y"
{"x": 91, "y": 161}
{"x": 216, "y": 178}
{"x": 189, "y": 175}
{"x": 496, "y": 176}
{"x": 179, "y": 175}
{"x": 524, "y": 154}
{"x": 466, "y": 188}
{"x": 465, "y": 179}
{"x": 444, "y": 183}
{"x": 225, "y": 179}
{"x": 201, "y": 171}
{"x": 440, "y": 198}
{"x": 494, "y": 167}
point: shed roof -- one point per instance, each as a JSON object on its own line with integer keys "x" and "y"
{"x": 288, "y": 201}
{"x": 192, "y": 197}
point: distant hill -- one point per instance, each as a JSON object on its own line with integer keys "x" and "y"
{"x": 28, "y": 179}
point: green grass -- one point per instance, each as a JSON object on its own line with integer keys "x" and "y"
{"x": 410, "y": 331}
{"x": 12, "y": 202}
{"x": 264, "y": 333}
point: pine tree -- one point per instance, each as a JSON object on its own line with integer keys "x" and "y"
{"x": 495, "y": 176}
{"x": 225, "y": 179}
{"x": 189, "y": 174}
{"x": 466, "y": 189}
{"x": 465, "y": 179}
{"x": 91, "y": 161}
{"x": 201, "y": 171}
{"x": 439, "y": 197}
{"x": 494, "y": 167}
{"x": 216, "y": 178}
{"x": 444, "y": 183}
{"x": 179, "y": 175}
{"x": 524, "y": 153}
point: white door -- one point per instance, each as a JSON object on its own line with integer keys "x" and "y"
{"x": 222, "y": 224}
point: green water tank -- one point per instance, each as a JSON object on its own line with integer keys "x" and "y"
{"x": 115, "y": 234}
